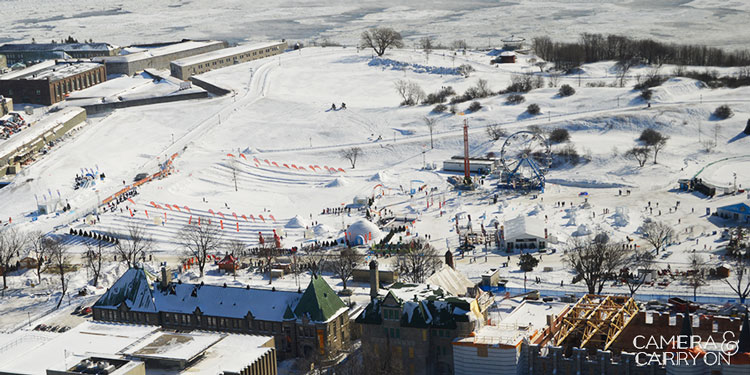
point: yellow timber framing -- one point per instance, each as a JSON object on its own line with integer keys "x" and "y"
{"x": 595, "y": 315}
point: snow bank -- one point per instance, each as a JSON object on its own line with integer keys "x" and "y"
{"x": 297, "y": 222}
{"x": 339, "y": 181}
{"x": 416, "y": 68}
{"x": 583, "y": 230}
{"x": 322, "y": 230}
{"x": 381, "y": 176}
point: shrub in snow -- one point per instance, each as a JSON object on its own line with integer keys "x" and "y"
{"x": 454, "y": 109}
{"x": 533, "y": 109}
{"x": 475, "y": 106}
{"x": 440, "y": 96}
{"x": 559, "y": 135}
{"x": 651, "y": 82}
{"x": 566, "y": 90}
{"x": 515, "y": 99}
{"x": 723, "y": 112}
{"x": 440, "y": 108}
{"x": 465, "y": 70}
{"x": 650, "y": 137}
{"x": 566, "y": 155}
{"x": 646, "y": 94}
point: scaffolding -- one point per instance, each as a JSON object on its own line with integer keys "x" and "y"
{"x": 595, "y": 321}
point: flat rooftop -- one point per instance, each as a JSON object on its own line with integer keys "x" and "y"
{"x": 28, "y": 134}
{"x": 173, "y": 346}
{"x": 51, "y": 70}
{"x": 513, "y": 320}
{"x": 222, "y": 53}
{"x": 159, "y": 51}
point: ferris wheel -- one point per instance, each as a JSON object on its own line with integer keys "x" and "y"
{"x": 526, "y": 158}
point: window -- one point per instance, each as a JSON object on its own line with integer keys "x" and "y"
{"x": 411, "y": 352}
{"x": 38, "y": 93}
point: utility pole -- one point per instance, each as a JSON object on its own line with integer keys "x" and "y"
{"x": 467, "y": 176}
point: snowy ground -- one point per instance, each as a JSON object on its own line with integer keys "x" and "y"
{"x": 479, "y": 22}
{"x": 280, "y": 114}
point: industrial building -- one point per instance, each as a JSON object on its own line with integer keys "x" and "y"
{"x": 22, "y": 53}
{"x": 20, "y": 148}
{"x": 116, "y": 349}
{"x": 48, "y": 82}
{"x": 308, "y": 322}
{"x": 476, "y": 165}
{"x": 739, "y": 213}
{"x": 159, "y": 57}
{"x": 187, "y": 67}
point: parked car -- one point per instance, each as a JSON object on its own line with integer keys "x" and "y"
{"x": 87, "y": 310}
{"x": 64, "y": 329}
{"x": 78, "y": 309}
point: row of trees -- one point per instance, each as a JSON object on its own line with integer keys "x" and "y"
{"x": 597, "y": 47}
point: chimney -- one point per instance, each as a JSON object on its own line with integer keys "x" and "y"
{"x": 164, "y": 280}
{"x": 374, "y": 279}
{"x": 545, "y": 233}
{"x": 449, "y": 259}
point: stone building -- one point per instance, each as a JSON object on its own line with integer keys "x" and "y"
{"x": 49, "y": 82}
{"x": 187, "y": 67}
{"x": 309, "y": 323}
{"x": 409, "y": 328}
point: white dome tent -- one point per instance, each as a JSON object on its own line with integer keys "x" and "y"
{"x": 363, "y": 232}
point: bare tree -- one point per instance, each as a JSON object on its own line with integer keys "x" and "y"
{"x": 38, "y": 250}
{"x": 739, "y": 281}
{"x": 93, "y": 258}
{"x": 269, "y": 253}
{"x": 426, "y": 45}
{"x": 59, "y": 260}
{"x": 418, "y": 262}
{"x": 351, "y": 154}
{"x": 430, "y": 122}
{"x": 495, "y": 132}
{"x": 198, "y": 240}
{"x": 540, "y": 65}
{"x": 133, "y": 245}
{"x": 639, "y": 154}
{"x": 658, "y": 146}
{"x": 11, "y": 244}
{"x": 657, "y": 234}
{"x": 459, "y": 44}
{"x": 344, "y": 264}
{"x": 641, "y": 263}
{"x": 696, "y": 275}
{"x": 554, "y": 78}
{"x": 380, "y": 39}
{"x": 595, "y": 260}
{"x": 410, "y": 92}
{"x": 623, "y": 67}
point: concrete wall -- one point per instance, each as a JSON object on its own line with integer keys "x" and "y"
{"x": 6, "y": 106}
{"x": 210, "y": 87}
{"x": 105, "y": 107}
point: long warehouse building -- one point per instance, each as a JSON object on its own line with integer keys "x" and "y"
{"x": 190, "y": 66}
{"x": 159, "y": 57}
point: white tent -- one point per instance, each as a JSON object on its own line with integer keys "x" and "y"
{"x": 362, "y": 232}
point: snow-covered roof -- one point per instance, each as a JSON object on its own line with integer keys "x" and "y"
{"x": 523, "y": 227}
{"x": 160, "y": 51}
{"x": 173, "y": 345}
{"x": 51, "y": 70}
{"x": 14, "y": 143}
{"x": 223, "y": 53}
{"x": 451, "y": 281}
{"x": 64, "y": 47}
{"x": 135, "y": 288}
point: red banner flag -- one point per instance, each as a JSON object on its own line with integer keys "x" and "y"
{"x": 266, "y": 161}
{"x": 243, "y": 156}
{"x": 154, "y": 204}
{"x": 238, "y": 227}
{"x": 190, "y": 220}
{"x": 272, "y": 218}
{"x": 261, "y": 217}
{"x": 302, "y": 168}
{"x": 187, "y": 208}
{"x": 286, "y": 165}
{"x": 294, "y": 166}
{"x": 209, "y": 221}
{"x": 230, "y": 155}
{"x": 244, "y": 217}
{"x": 275, "y": 164}
{"x": 341, "y": 170}
{"x": 252, "y": 217}
{"x": 176, "y": 207}
{"x": 131, "y": 201}
{"x": 222, "y": 224}
{"x": 220, "y": 214}
{"x": 199, "y": 220}
{"x": 131, "y": 212}
{"x": 168, "y": 206}
{"x": 146, "y": 211}
{"x": 211, "y": 212}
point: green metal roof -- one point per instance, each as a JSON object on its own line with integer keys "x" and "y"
{"x": 319, "y": 302}
{"x": 134, "y": 288}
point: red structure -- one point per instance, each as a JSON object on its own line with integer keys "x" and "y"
{"x": 467, "y": 177}
{"x": 229, "y": 263}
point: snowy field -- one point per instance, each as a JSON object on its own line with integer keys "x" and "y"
{"x": 480, "y": 22}
{"x": 279, "y": 120}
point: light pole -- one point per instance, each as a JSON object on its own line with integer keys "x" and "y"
{"x": 172, "y": 138}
